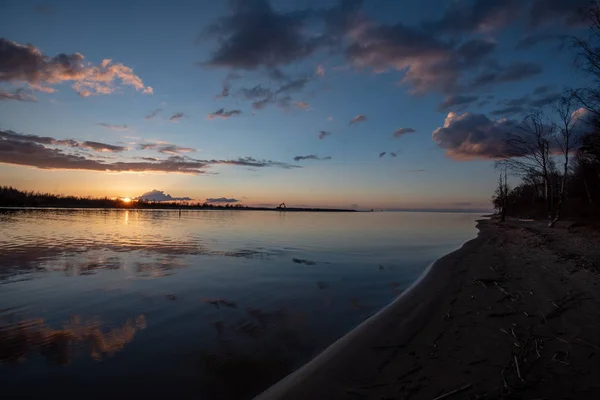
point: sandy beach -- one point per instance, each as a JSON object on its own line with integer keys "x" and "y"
{"x": 514, "y": 313}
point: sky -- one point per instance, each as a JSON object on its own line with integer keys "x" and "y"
{"x": 363, "y": 104}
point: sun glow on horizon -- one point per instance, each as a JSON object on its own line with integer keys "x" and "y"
{"x": 126, "y": 199}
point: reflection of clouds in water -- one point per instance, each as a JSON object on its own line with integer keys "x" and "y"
{"x": 85, "y": 260}
{"x": 24, "y": 338}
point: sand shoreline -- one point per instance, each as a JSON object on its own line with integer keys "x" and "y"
{"x": 477, "y": 321}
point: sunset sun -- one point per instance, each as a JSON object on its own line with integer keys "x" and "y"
{"x": 126, "y": 200}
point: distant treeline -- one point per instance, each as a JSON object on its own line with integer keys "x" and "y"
{"x": 11, "y": 197}
{"x": 556, "y": 155}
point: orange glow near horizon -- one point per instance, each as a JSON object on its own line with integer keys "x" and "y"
{"x": 125, "y": 199}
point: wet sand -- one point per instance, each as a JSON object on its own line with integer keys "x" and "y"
{"x": 514, "y": 313}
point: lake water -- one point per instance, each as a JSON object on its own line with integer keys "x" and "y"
{"x": 197, "y": 304}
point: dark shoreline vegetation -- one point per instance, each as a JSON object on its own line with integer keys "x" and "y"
{"x": 556, "y": 154}
{"x": 14, "y": 198}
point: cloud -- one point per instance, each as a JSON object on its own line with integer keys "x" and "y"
{"x": 324, "y": 134}
{"x": 18, "y": 95}
{"x": 310, "y": 157}
{"x": 473, "y": 136}
{"x": 253, "y": 35}
{"x": 113, "y": 127}
{"x": 159, "y": 195}
{"x": 153, "y": 113}
{"x": 511, "y": 73}
{"x": 166, "y": 148}
{"x": 226, "y": 85}
{"x": 224, "y": 114}
{"x": 534, "y": 39}
{"x": 543, "y": 89}
{"x": 320, "y": 71}
{"x": 358, "y": 119}
{"x": 527, "y": 104}
{"x": 221, "y": 200}
{"x": 393, "y": 154}
{"x": 478, "y": 16}
{"x": 457, "y": 101}
{"x": 383, "y": 153}
{"x": 302, "y": 105}
{"x": 509, "y": 110}
{"x": 474, "y": 50}
{"x": 19, "y": 63}
{"x": 46, "y": 140}
{"x": 34, "y": 151}
{"x": 555, "y": 12}
{"x": 403, "y": 131}
{"x": 176, "y": 117}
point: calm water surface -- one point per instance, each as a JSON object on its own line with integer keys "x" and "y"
{"x": 202, "y": 304}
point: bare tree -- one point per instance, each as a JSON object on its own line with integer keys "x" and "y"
{"x": 500, "y": 199}
{"x": 566, "y": 138}
{"x": 588, "y": 58}
{"x": 528, "y": 154}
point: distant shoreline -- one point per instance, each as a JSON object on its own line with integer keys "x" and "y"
{"x": 182, "y": 208}
{"x": 508, "y": 313}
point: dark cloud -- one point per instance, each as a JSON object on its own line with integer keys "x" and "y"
{"x": 477, "y": 16}
{"x": 113, "y": 127}
{"x": 224, "y": 114}
{"x": 456, "y": 102}
{"x": 221, "y": 200}
{"x": 382, "y": 154}
{"x": 256, "y": 92}
{"x": 543, "y": 89}
{"x": 102, "y": 147}
{"x": 18, "y": 95}
{"x": 176, "y": 117}
{"x": 310, "y": 157}
{"x": 508, "y": 111}
{"x": 254, "y": 35}
{"x": 511, "y": 73}
{"x": 166, "y": 148}
{"x": 159, "y": 195}
{"x": 394, "y": 154}
{"x": 358, "y": 119}
{"x": 32, "y": 150}
{"x": 403, "y": 131}
{"x": 19, "y": 63}
{"x": 545, "y": 100}
{"x": 153, "y": 113}
{"x": 324, "y": 134}
{"x": 475, "y": 50}
{"x": 470, "y": 136}
{"x": 46, "y": 140}
{"x": 295, "y": 85}
{"x": 534, "y": 39}
{"x": 566, "y": 12}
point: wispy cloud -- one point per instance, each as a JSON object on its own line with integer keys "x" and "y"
{"x": 324, "y": 134}
{"x": 18, "y": 95}
{"x": 221, "y": 200}
{"x": 26, "y": 63}
{"x": 311, "y": 157}
{"x": 403, "y": 131}
{"x": 224, "y": 114}
{"x": 176, "y": 117}
{"x": 320, "y": 70}
{"x": 382, "y": 154}
{"x": 113, "y": 127}
{"x": 302, "y": 105}
{"x": 153, "y": 113}
{"x": 46, "y": 140}
{"x": 166, "y": 148}
{"x": 358, "y": 119}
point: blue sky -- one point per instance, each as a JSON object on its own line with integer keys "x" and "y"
{"x": 314, "y": 66}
